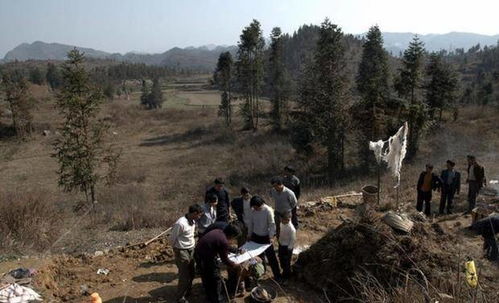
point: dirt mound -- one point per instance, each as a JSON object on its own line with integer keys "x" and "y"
{"x": 71, "y": 278}
{"x": 373, "y": 248}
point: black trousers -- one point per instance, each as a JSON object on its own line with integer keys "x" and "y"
{"x": 473, "y": 189}
{"x": 424, "y": 197}
{"x": 269, "y": 254}
{"x": 446, "y": 198}
{"x": 285, "y": 255}
{"x": 211, "y": 280}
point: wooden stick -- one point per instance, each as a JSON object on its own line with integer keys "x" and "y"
{"x": 157, "y": 237}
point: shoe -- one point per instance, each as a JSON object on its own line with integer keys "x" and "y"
{"x": 183, "y": 300}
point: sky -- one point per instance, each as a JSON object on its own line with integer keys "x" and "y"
{"x": 158, "y": 25}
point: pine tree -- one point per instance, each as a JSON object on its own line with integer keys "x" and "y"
{"x": 80, "y": 150}
{"x": 53, "y": 76}
{"x": 17, "y": 95}
{"x": 144, "y": 96}
{"x": 223, "y": 78}
{"x": 372, "y": 84}
{"x": 250, "y": 72}
{"x": 155, "y": 98}
{"x": 278, "y": 79}
{"x": 323, "y": 97}
{"x": 442, "y": 85}
{"x": 407, "y": 86}
{"x": 36, "y": 76}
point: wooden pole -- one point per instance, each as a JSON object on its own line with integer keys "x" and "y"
{"x": 379, "y": 180}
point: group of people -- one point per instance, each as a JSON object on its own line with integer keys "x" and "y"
{"x": 448, "y": 183}
{"x": 254, "y": 220}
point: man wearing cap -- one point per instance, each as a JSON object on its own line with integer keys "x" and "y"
{"x": 223, "y": 206}
{"x": 428, "y": 181}
{"x": 451, "y": 184}
{"x": 476, "y": 180}
{"x": 291, "y": 181}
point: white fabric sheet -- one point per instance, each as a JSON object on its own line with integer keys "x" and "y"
{"x": 394, "y": 154}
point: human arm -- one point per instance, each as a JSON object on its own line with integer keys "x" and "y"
{"x": 292, "y": 240}
{"x": 176, "y": 230}
{"x": 224, "y": 255}
{"x": 271, "y": 224}
{"x": 292, "y": 199}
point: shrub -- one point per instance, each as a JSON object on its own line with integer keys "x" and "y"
{"x": 28, "y": 220}
{"x": 130, "y": 207}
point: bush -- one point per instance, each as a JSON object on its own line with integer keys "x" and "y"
{"x": 28, "y": 220}
{"x": 130, "y": 207}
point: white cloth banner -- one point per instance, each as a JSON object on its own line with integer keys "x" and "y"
{"x": 394, "y": 154}
{"x": 251, "y": 249}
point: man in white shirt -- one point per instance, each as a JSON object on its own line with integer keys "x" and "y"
{"x": 209, "y": 214}
{"x": 262, "y": 230}
{"x": 183, "y": 243}
{"x": 287, "y": 238}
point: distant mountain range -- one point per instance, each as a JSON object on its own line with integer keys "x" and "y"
{"x": 398, "y": 42}
{"x": 205, "y": 57}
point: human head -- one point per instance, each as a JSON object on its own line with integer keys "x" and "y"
{"x": 219, "y": 184}
{"x": 232, "y": 231}
{"x": 429, "y": 168}
{"x": 212, "y": 199}
{"x": 277, "y": 183}
{"x": 289, "y": 170}
{"x": 471, "y": 159}
{"x": 285, "y": 218}
{"x": 195, "y": 212}
{"x": 245, "y": 192}
{"x": 450, "y": 164}
{"x": 256, "y": 202}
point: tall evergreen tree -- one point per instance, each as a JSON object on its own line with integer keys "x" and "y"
{"x": 278, "y": 79}
{"x": 223, "y": 78}
{"x": 156, "y": 99}
{"x": 323, "y": 97}
{"x": 144, "y": 96}
{"x": 36, "y": 76}
{"x": 80, "y": 149}
{"x": 407, "y": 86}
{"x": 53, "y": 76}
{"x": 250, "y": 72}
{"x": 17, "y": 95}
{"x": 372, "y": 84}
{"x": 442, "y": 85}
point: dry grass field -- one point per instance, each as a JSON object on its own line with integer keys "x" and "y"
{"x": 169, "y": 157}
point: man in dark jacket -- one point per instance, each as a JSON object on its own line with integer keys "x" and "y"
{"x": 488, "y": 228}
{"x": 476, "y": 180}
{"x": 242, "y": 208}
{"x": 451, "y": 184}
{"x": 223, "y": 206}
{"x": 211, "y": 246}
{"x": 292, "y": 182}
{"x": 427, "y": 182}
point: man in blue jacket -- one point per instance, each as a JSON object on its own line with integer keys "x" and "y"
{"x": 451, "y": 185}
